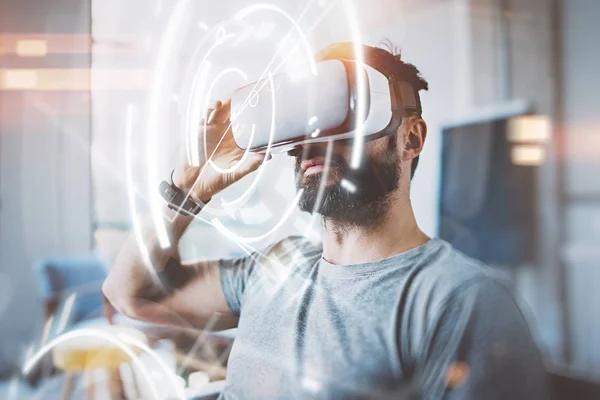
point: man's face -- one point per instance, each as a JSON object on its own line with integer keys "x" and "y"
{"x": 341, "y": 193}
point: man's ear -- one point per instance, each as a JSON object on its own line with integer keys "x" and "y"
{"x": 414, "y": 137}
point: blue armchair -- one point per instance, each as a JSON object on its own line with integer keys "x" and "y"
{"x": 70, "y": 290}
{"x": 59, "y": 279}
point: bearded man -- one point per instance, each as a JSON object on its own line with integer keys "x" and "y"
{"x": 376, "y": 310}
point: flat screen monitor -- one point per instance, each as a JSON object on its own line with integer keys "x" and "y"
{"x": 487, "y": 204}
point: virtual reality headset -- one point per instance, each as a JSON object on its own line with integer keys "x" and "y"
{"x": 282, "y": 113}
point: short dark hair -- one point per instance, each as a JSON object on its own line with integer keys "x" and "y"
{"x": 388, "y": 59}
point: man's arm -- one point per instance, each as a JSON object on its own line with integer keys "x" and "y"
{"x": 174, "y": 293}
{"x": 192, "y": 294}
{"x": 480, "y": 348}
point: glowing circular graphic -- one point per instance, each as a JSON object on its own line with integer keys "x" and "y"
{"x": 193, "y": 81}
{"x": 189, "y": 76}
{"x": 233, "y": 168}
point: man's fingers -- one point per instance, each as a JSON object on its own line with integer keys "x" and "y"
{"x": 251, "y": 164}
{"x": 222, "y": 113}
{"x": 213, "y": 113}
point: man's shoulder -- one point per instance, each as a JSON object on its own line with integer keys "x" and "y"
{"x": 448, "y": 274}
{"x": 451, "y": 283}
{"x": 452, "y": 267}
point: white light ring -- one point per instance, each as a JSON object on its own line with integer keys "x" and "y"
{"x": 191, "y": 134}
{"x": 193, "y": 118}
{"x": 227, "y": 233}
{"x": 135, "y": 221}
{"x": 170, "y": 36}
{"x": 244, "y": 196}
{"x": 313, "y": 65}
{"x": 357, "y": 150}
{"x": 86, "y": 332}
{"x": 159, "y": 361}
{"x": 206, "y": 99}
{"x": 192, "y": 126}
{"x": 193, "y": 129}
{"x": 324, "y": 179}
{"x": 240, "y": 15}
{"x": 257, "y": 7}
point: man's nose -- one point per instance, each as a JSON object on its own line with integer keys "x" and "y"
{"x": 308, "y": 150}
{"x": 300, "y": 150}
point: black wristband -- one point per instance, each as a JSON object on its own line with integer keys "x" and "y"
{"x": 177, "y": 200}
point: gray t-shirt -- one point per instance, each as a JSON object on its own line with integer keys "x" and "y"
{"x": 429, "y": 323}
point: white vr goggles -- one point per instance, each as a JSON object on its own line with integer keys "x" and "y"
{"x": 283, "y": 113}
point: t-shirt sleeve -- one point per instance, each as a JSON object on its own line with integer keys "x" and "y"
{"x": 480, "y": 347}
{"x": 235, "y": 276}
{"x": 256, "y": 272}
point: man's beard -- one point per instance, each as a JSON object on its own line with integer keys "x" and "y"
{"x": 375, "y": 181}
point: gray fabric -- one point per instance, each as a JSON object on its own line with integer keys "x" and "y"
{"x": 428, "y": 323}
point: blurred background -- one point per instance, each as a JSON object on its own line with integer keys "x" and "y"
{"x": 94, "y": 99}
